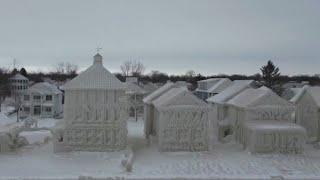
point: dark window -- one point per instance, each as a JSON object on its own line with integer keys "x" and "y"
{"x": 37, "y": 97}
{"x": 47, "y": 109}
{"x": 48, "y": 98}
{"x": 26, "y": 97}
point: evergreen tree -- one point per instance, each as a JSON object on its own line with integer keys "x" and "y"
{"x": 23, "y": 72}
{"x": 270, "y": 74}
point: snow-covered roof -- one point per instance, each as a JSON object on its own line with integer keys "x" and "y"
{"x": 210, "y": 80}
{"x": 4, "y": 120}
{"x": 314, "y": 91}
{"x": 178, "y": 96}
{"x": 158, "y": 92}
{"x": 220, "y": 85}
{"x": 95, "y": 77}
{"x": 255, "y": 97}
{"x": 44, "y": 88}
{"x": 235, "y": 88}
{"x": 19, "y": 76}
{"x": 209, "y": 85}
{"x": 134, "y": 88}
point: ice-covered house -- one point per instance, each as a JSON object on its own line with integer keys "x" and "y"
{"x": 290, "y": 93}
{"x": 95, "y": 112}
{"x": 18, "y": 84}
{"x": 43, "y": 100}
{"x": 307, "y": 103}
{"x": 149, "y": 107}
{"x": 210, "y": 87}
{"x": 218, "y": 102}
{"x": 263, "y": 122}
{"x": 181, "y": 121}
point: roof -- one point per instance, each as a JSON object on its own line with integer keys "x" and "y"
{"x": 178, "y": 96}
{"x": 45, "y": 88}
{"x": 235, "y": 88}
{"x": 19, "y": 76}
{"x": 134, "y": 88}
{"x": 95, "y": 77}
{"x": 220, "y": 85}
{"x": 149, "y": 87}
{"x": 158, "y": 92}
{"x": 209, "y": 83}
{"x": 255, "y": 97}
{"x": 210, "y": 80}
{"x": 314, "y": 91}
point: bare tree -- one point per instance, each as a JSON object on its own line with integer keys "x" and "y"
{"x": 191, "y": 73}
{"x": 71, "y": 68}
{"x": 132, "y": 68}
{"x": 137, "y": 68}
{"x": 126, "y": 68}
{"x": 60, "y": 68}
{"x": 66, "y": 68}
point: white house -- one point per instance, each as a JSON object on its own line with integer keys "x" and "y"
{"x": 95, "y": 112}
{"x": 210, "y": 87}
{"x": 43, "y": 100}
{"x": 218, "y": 102}
{"x": 307, "y": 103}
{"x": 18, "y": 85}
{"x": 149, "y": 107}
{"x": 264, "y": 122}
{"x": 181, "y": 121}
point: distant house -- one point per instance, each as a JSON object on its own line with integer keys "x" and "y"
{"x": 307, "y": 103}
{"x": 210, "y": 87}
{"x": 18, "y": 85}
{"x": 181, "y": 121}
{"x": 43, "y": 100}
{"x": 149, "y": 87}
{"x": 136, "y": 94}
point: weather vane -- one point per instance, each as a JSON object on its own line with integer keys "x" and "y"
{"x": 98, "y": 49}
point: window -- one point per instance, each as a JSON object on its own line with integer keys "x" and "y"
{"x": 47, "y": 109}
{"x": 37, "y": 97}
{"x": 26, "y": 97}
{"x": 48, "y": 98}
{"x": 26, "y": 109}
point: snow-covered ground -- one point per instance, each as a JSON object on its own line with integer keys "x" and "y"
{"x": 227, "y": 161}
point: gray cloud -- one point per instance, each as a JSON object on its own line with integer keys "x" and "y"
{"x": 169, "y": 35}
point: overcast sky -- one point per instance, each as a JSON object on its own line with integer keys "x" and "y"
{"x": 172, "y": 36}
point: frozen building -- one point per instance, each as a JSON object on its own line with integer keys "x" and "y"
{"x": 264, "y": 122}
{"x": 95, "y": 112}
{"x": 181, "y": 121}
{"x": 307, "y": 103}
{"x": 210, "y": 87}
{"x": 18, "y": 84}
{"x": 220, "y": 107}
{"x": 43, "y": 100}
{"x": 290, "y": 93}
{"x": 149, "y": 109}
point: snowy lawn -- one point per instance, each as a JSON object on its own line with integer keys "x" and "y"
{"x": 226, "y": 161}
